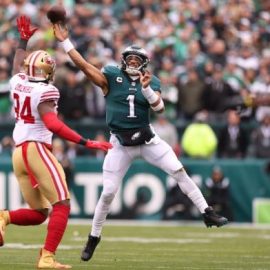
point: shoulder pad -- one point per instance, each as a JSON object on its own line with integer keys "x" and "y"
{"x": 110, "y": 69}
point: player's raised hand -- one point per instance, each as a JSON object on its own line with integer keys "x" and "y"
{"x": 105, "y": 146}
{"x": 24, "y": 27}
{"x": 145, "y": 78}
{"x": 60, "y": 31}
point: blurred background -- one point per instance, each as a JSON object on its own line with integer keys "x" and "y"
{"x": 204, "y": 52}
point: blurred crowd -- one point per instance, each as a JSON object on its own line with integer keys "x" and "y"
{"x": 203, "y": 51}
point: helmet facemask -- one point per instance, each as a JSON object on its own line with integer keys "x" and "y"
{"x": 142, "y": 58}
{"x": 40, "y": 66}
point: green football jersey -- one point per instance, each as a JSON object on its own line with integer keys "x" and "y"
{"x": 126, "y": 107}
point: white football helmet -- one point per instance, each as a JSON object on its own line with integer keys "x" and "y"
{"x": 39, "y": 66}
{"x": 139, "y": 52}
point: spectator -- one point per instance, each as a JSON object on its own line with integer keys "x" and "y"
{"x": 169, "y": 95}
{"x": 232, "y": 140}
{"x": 217, "y": 52}
{"x": 5, "y": 104}
{"x": 72, "y": 100}
{"x": 215, "y": 92}
{"x": 233, "y": 76}
{"x": 218, "y": 192}
{"x": 6, "y": 146}
{"x": 261, "y": 86}
{"x": 190, "y": 96}
{"x": 260, "y": 139}
{"x": 247, "y": 58}
{"x": 168, "y": 132}
{"x": 199, "y": 140}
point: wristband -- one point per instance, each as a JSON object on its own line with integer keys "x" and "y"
{"x": 67, "y": 45}
{"x": 150, "y": 94}
{"x": 22, "y": 44}
{"x": 82, "y": 141}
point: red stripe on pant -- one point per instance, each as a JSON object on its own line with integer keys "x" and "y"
{"x": 30, "y": 173}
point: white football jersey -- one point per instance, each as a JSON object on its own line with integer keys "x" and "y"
{"x": 26, "y": 97}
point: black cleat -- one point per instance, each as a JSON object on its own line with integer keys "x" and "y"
{"x": 211, "y": 218}
{"x": 90, "y": 247}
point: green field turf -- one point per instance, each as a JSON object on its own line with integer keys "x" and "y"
{"x": 148, "y": 247}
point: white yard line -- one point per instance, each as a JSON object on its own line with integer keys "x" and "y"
{"x": 112, "y": 239}
{"x": 117, "y": 222}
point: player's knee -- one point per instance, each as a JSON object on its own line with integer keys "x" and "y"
{"x": 179, "y": 174}
{"x": 64, "y": 202}
{"x": 44, "y": 211}
{"x": 107, "y": 197}
{"x": 40, "y": 215}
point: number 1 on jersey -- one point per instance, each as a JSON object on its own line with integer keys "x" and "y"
{"x": 131, "y": 99}
{"x": 24, "y": 113}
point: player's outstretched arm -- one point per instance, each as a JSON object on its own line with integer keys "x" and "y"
{"x": 51, "y": 121}
{"x": 92, "y": 73}
{"x": 26, "y": 31}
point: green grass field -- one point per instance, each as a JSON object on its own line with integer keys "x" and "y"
{"x": 150, "y": 247}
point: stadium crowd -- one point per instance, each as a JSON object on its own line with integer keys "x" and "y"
{"x": 203, "y": 51}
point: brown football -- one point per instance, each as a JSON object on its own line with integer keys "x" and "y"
{"x": 56, "y": 14}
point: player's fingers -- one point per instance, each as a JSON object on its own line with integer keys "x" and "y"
{"x": 146, "y": 77}
{"x": 56, "y": 26}
{"x": 147, "y": 73}
{"x": 63, "y": 27}
{"x": 25, "y": 21}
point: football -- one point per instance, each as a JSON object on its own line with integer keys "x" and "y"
{"x": 56, "y": 14}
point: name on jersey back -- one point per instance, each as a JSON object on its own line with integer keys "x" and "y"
{"x": 22, "y": 88}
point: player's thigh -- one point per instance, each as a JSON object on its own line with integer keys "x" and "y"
{"x": 118, "y": 158}
{"x": 32, "y": 196}
{"x": 162, "y": 156}
{"x": 48, "y": 172}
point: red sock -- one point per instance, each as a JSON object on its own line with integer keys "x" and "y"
{"x": 56, "y": 226}
{"x": 26, "y": 217}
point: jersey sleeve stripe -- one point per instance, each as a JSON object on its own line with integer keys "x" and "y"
{"x": 51, "y": 90}
{"x": 49, "y": 98}
{"x": 50, "y": 94}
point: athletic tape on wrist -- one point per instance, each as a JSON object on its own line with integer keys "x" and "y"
{"x": 67, "y": 45}
{"x": 159, "y": 106}
{"x": 150, "y": 94}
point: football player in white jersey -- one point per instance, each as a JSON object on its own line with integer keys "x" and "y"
{"x": 130, "y": 91}
{"x": 40, "y": 176}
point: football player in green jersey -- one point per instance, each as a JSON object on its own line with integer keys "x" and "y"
{"x": 130, "y": 91}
